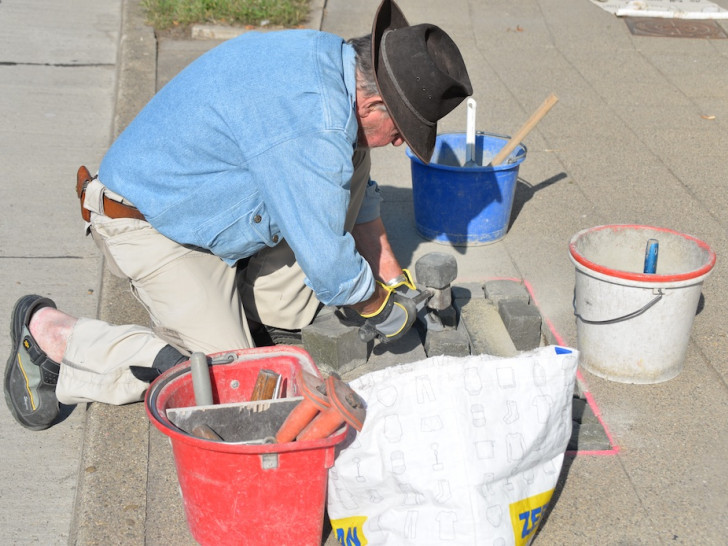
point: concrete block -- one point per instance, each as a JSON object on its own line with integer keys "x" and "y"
{"x": 582, "y": 413}
{"x": 334, "y": 345}
{"x": 449, "y": 342}
{"x": 405, "y": 350}
{"x": 467, "y": 291}
{"x": 436, "y": 270}
{"x": 588, "y": 437}
{"x": 523, "y": 323}
{"x": 488, "y": 334}
{"x": 502, "y": 290}
{"x": 448, "y": 317}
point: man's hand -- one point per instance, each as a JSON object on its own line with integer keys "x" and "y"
{"x": 405, "y": 286}
{"x": 391, "y": 320}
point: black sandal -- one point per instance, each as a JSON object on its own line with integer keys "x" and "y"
{"x": 30, "y": 376}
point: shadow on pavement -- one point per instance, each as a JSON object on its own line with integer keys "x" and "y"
{"x": 525, "y": 192}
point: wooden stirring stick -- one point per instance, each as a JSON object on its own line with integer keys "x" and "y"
{"x": 523, "y": 131}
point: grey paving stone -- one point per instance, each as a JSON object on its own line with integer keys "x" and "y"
{"x": 488, "y": 334}
{"x": 333, "y": 345}
{"x": 436, "y": 270}
{"x": 467, "y": 291}
{"x": 406, "y": 349}
{"x": 502, "y": 289}
{"x": 588, "y": 437}
{"x": 523, "y": 323}
{"x": 449, "y": 342}
{"x": 582, "y": 412}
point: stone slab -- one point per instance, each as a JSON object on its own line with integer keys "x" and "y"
{"x": 523, "y": 323}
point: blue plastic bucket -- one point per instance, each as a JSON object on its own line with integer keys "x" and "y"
{"x": 465, "y": 205}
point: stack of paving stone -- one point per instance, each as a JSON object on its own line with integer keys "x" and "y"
{"x": 496, "y": 318}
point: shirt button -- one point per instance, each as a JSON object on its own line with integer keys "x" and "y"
{"x": 257, "y": 219}
{"x": 275, "y": 238}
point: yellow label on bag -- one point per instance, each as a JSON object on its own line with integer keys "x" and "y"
{"x": 350, "y": 531}
{"x": 526, "y": 515}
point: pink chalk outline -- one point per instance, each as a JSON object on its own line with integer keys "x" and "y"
{"x": 589, "y": 398}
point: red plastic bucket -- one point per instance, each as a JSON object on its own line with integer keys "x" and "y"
{"x": 240, "y": 493}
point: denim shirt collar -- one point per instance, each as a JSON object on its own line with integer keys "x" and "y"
{"x": 348, "y": 57}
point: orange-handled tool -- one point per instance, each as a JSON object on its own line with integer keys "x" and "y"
{"x": 314, "y": 401}
{"x": 346, "y": 406}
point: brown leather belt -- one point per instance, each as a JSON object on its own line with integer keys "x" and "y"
{"x": 112, "y": 209}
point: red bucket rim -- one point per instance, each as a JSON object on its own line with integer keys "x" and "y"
{"x": 165, "y": 426}
{"x": 641, "y": 277}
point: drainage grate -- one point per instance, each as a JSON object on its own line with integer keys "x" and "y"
{"x": 675, "y": 28}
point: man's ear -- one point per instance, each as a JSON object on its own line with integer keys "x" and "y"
{"x": 368, "y": 105}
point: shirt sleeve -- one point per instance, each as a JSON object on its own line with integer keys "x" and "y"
{"x": 370, "y": 206}
{"x": 307, "y": 197}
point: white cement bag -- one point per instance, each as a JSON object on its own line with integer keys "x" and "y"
{"x": 455, "y": 451}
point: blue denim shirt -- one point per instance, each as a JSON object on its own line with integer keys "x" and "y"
{"x": 249, "y": 144}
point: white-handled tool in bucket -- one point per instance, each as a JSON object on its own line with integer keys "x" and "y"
{"x": 471, "y": 107}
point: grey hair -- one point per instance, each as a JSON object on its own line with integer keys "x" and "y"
{"x": 365, "y": 80}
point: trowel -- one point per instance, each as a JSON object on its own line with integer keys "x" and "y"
{"x": 471, "y": 107}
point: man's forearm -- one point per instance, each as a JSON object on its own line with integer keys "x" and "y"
{"x": 373, "y": 244}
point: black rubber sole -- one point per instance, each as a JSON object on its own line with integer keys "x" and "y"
{"x": 31, "y": 303}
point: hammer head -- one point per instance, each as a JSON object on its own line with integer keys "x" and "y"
{"x": 436, "y": 270}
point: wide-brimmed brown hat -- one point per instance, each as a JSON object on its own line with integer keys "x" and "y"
{"x": 420, "y": 74}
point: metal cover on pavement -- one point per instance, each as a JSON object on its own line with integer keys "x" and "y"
{"x": 675, "y": 28}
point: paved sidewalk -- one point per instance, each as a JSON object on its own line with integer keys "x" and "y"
{"x": 57, "y": 83}
{"x": 638, "y": 136}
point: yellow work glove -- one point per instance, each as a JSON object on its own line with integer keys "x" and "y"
{"x": 392, "y": 320}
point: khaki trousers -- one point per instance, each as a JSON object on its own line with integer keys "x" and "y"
{"x": 272, "y": 286}
{"x": 196, "y": 302}
{"x": 191, "y": 298}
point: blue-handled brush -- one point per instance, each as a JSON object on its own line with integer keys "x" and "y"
{"x": 651, "y": 256}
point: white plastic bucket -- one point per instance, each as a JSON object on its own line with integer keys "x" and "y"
{"x": 634, "y": 327}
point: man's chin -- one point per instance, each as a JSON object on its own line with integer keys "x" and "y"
{"x": 362, "y": 144}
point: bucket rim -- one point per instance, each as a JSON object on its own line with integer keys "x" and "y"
{"x": 175, "y": 434}
{"x": 651, "y": 278}
{"x": 520, "y": 155}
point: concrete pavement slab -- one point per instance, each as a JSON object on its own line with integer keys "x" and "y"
{"x": 671, "y": 446}
{"x": 625, "y": 143}
{"x": 60, "y": 33}
{"x": 588, "y": 166}
{"x": 57, "y": 118}
{"x": 57, "y": 77}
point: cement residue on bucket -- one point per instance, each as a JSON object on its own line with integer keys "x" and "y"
{"x": 634, "y": 327}
{"x": 460, "y": 205}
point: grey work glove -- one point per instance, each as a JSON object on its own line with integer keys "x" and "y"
{"x": 405, "y": 286}
{"x": 392, "y": 320}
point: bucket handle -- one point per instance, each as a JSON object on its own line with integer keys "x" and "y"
{"x": 634, "y": 314}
